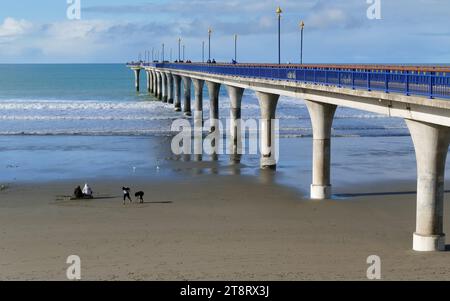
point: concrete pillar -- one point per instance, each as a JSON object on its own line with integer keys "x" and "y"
{"x": 169, "y": 87}
{"x": 214, "y": 90}
{"x": 321, "y": 119}
{"x": 147, "y": 72}
{"x": 235, "y": 94}
{"x": 137, "y": 78}
{"x": 164, "y": 86}
{"x": 431, "y": 144}
{"x": 154, "y": 82}
{"x": 268, "y": 105}
{"x": 177, "y": 92}
{"x": 159, "y": 86}
{"x": 187, "y": 95}
{"x": 150, "y": 74}
{"x": 198, "y": 105}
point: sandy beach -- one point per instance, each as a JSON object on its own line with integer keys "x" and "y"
{"x": 251, "y": 230}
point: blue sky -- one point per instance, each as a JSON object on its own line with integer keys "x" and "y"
{"x": 336, "y": 31}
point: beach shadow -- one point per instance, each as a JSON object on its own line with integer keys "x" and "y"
{"x": 71, "y": 198}
{"x": 447, "y": 248}
{"x": 164, "y": 202}
{"x": 353, "y": 195}
{"x": 105, "y": 198}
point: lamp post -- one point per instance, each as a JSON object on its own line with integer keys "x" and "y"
{"x": 179, "y": 49}
{"x": 203, "y": 51}
{"x": 302, "y": 27}
{"x": 153, "y": 55}
{"x": 235, "y": 47}
{"x": 184, "y": 49}
{"x": 279, "y": 11}
{"x": 209, "y": 43}
{"x": 163, "y": 52}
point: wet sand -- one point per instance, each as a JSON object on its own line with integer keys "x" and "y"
{"x": 213, "y": 228}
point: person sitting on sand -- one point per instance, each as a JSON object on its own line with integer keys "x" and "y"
{"x": 126, "y": 194}
{"x": 87, "y": 191}
{"x": 78, "y": 193}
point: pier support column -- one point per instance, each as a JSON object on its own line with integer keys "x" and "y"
{"x": 159, "y": 86}
{"x": 321, "y": 119}
{"x": 137, "y": 78}
{"x": 164, "y": 86}
{"x": 148, "y": 80}
{"x": 187, "y": 96}
{"x": 235, "y": 94}
{"x": 213, "y": 90}
{"x": 169, "y": 88}
{"x": 198, "y": 105}
{"x": 150, "y": 74}
{"x": 177, "y": 92}
{"x": 431, "y": 144}
{"x": 154, "y": 83}
{"x": 269, "y": 148}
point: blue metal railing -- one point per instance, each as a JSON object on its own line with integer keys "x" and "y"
{"x": 429, "y": 84}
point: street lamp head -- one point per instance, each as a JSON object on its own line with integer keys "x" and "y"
{"x": 302, "y": 24}
{"x": 279, "y": 11}
{"x": 209, "y": 30}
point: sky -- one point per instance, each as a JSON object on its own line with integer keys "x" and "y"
{"x": 116, "y": 31}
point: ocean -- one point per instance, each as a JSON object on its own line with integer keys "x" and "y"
{"x": 100, "y": 100}
{"x": 84, "y": 122}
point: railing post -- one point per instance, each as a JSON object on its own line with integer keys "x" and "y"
{"x": 386, "y": 81}
{"x": 315, "y": 81}
{"x": 326, "y": 77}
{"x": 368, "y": 80}
{"x": 431, "y": 85}
{"x": 353, "y": 79}
{"x": 407, "y": 83}
{"x": 339, "y": 79}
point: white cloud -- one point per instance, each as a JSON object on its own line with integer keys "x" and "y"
{"x": 329, "y": 18}
{"x": 11, "y": 27}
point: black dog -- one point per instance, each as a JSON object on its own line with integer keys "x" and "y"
{"x": 140, "y": 195}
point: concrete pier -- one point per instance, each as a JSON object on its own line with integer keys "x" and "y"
{"x": 137, "y": 78}
{"x": 187, "y": 95}
{"x": 322, "y": 115}
{"x": 164, "y": 86}
{"x": 268, "y": 105}
{"x": 159, "y": 86}
{"x": 427, "y": 116}
{"x": 148, "y": 80}
{"x": 235, "y": 94}
{"x": 169, "y": 87}
{"x": 198, "y": 104}
{"x": 177, "y": 92}
{"x": 431, "y": 144}
{"x": 154, "y": 82}
{"x": 213, "y": 90}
